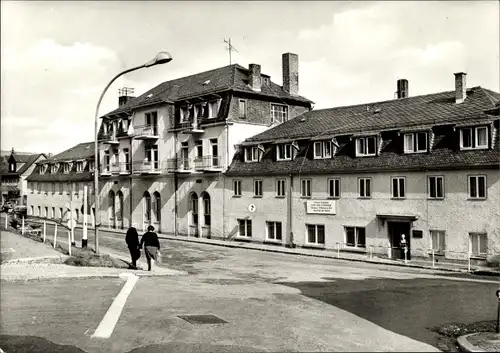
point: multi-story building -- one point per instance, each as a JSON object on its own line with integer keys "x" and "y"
{"x": 56, "y": 185}
{"x": 358, "y": 177}
{"x": 163, "y": 154}
{"x": 14, "y": 170}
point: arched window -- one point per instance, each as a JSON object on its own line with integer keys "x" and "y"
{"x": 120, "y": 205}
{"x": 194, "y": 207}
{"x": 111, "y": 204}
{"x": 147, "y": 207}
{"x": 157, "y": 206}
{"x": 206, "y": 208}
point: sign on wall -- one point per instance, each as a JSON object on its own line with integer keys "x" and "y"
{"x": 321, "y": 206}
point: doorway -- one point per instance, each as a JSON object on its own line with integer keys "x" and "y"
{"x": 395, "y": 229}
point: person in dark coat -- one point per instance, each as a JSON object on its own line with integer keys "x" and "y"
{"x": 151, "y": 245}
{"x": 132, "y": 240}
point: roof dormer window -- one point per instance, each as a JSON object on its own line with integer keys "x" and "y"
{"x": 474, "y": 138}
{"x": 252, "y": 154}
{"x": 366, "y": 146}
{"x": 79, "y": 167}
{"x": 91, "y": 166}
{"x": 415, "y": 142}
{"x": 322, "y": 149}
{"x": 53, "y": 168}
{"x": 284, "y": 152}
{"x": 12, "y": 167}
{"x": 67, "y": 167}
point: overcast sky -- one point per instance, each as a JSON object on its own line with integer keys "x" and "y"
{"x": 58, "y": 56}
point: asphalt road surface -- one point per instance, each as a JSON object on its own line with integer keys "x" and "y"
{"x": 267, "y": 301}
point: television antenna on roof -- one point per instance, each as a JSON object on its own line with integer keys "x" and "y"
{"x": 230, "y": 48}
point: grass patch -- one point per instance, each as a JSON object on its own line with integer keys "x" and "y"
{"x": 448, "y": 334}
{"x": 88, "y": 258}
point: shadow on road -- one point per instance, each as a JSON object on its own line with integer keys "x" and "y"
{"x": 34, "y": 344}
{"x": 410, "y": 307}
{"x": 192, "y": 348}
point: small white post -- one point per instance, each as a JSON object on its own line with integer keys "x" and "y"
{"x": 468, "y": 261}
{"x": 338, "y": 250}
{"x": 371, "y": 252}
{"x": 22, "y": 225}
{"x": 44, "y": 230}
{"x": 84, "y": 236}
{"x": 69, "y": 242}
{"x": 55, "y": 236}
{"x": 433, "y": 259}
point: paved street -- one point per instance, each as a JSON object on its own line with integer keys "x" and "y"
{"x": 269, "y": 302}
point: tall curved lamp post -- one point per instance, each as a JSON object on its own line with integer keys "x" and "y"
{"x": 160, "y": 58}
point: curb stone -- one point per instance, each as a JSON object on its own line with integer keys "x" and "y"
{"x": 466, "y": 346}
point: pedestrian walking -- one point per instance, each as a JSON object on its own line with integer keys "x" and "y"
{"x": 151, "y": 246}
{"x": 132, "y": 240}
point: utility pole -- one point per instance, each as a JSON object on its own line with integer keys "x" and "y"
{"x": 71, "y": 214}
{"x": 84, "y": 237}
{"x": 230, "y": 48}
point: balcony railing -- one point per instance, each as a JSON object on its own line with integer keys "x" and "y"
{"x": 179, "y": 165}
{"x": 149, "y": 131}
{"x": 121, "y": 133}
{"x": 146, "y": 167}
{"x": 106, "y": 169}
{"x": 120, "y": 168}
{"x": 209, "y": 163}
{"x": 109, "y": 138}
{"x": 192, "y": 126}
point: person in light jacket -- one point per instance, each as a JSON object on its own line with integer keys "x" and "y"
{"x": 132, "y": 240}
{"x": 151, "y": 245}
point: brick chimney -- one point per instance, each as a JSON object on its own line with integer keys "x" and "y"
{"x": 124, "y": 95}
{"x": 254, "y": 78}
{"x": 460, "y": 87}
{"x": 290, "y": 68}
{"x": 403, "y": 88}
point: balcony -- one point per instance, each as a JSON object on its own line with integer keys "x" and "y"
{"x": 192, "y": 127}
{"x": 179, "y": 165}
{"x": 105, "y": 170}
{"x": 121, "y": 134}
{"x": 208, "y": 164}
{"x": 108, "y": 138}
{"x": 146, "y": 167}
{"x": 120, "y": 168}
{"x": 146, "y": 132}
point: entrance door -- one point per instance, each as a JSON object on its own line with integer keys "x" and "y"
{"x": 395, "y": 229}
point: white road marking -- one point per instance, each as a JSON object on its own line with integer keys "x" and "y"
{"x": 108, "y": 323}
{"x": 7, "y": 250}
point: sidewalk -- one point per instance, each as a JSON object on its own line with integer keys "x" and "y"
{"x": 332, "y": 254}
{"x": 27, "y": 259}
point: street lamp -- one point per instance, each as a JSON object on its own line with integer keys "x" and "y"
{"x": 160, "y": 58}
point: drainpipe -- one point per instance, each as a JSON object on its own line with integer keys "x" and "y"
{"x": 289, "y": 213}
{"x": 224, "y": 185}
{"x": 130, "y": 190}
{"x": 176, "y": 185}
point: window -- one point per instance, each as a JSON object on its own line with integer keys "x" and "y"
{"x": 279, "y": 113}
{"x": 32, "y": 187}
{"x": 147, "y": 207}
{"x": 237, "y": 187}
{"x": 366, "y": 146}
{"x": 364, "y": 185}
{"x": 198, "y": 144}
{"x": 474, "y": 138}
{"x": 212, "y": 109}
{"x": 106, "y": 161}
{"x": 322, "y": 149}
{"x": 305, "y": 187}
{"x": 152, "y": 122}
{"x": 53, "y": 213}
{"x": 46, "y": 214}
{"x": 477, "y": 186}
{"x": 60, "y": 212}
{"x": 284, "y": 152}
{"x": 206, "y": 209}
{"x": 436, "y": 187}
{"x": 257, "y": 188}
{"x": 126, "y": 154}
{"x": 32, "y": 210}
{"x": 398, "y": 187}
{"x": 12, "y": 167}
{"x": 194, "y": 208}
{"x": 252, "y": 154}
{"x": 280, "y": 188}
{"x": 91, "y": 166}
{"x": 438, "y": 241}
{"x": 334, "y": 188}
{"x": 355, "y": 237}
{"x": 242, "y": 108}
{"x": 60, "y": 188}
{"x": 156, "y": 206}
{"x": 245, "y": 228}
{"x": 415, "y": 142}
{"x": 66, "y": 168}
{"x": 79, "y": 167}
{"x": 478, "y": 244}
{"x": 315, "y": 234}
{"x": 39, "y": 213}
{"x": 215, "y": 152}
{"x": 274, "y": 231}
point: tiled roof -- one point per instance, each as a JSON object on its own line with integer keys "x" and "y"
{"x": 32, "y": 159}
{"x": 397, "y": 113}
{"x": 83, "y": 150}
{"x": 59, "y": 176}
{"x": 437, "y": 112}
{"x": 231, "y": 77}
